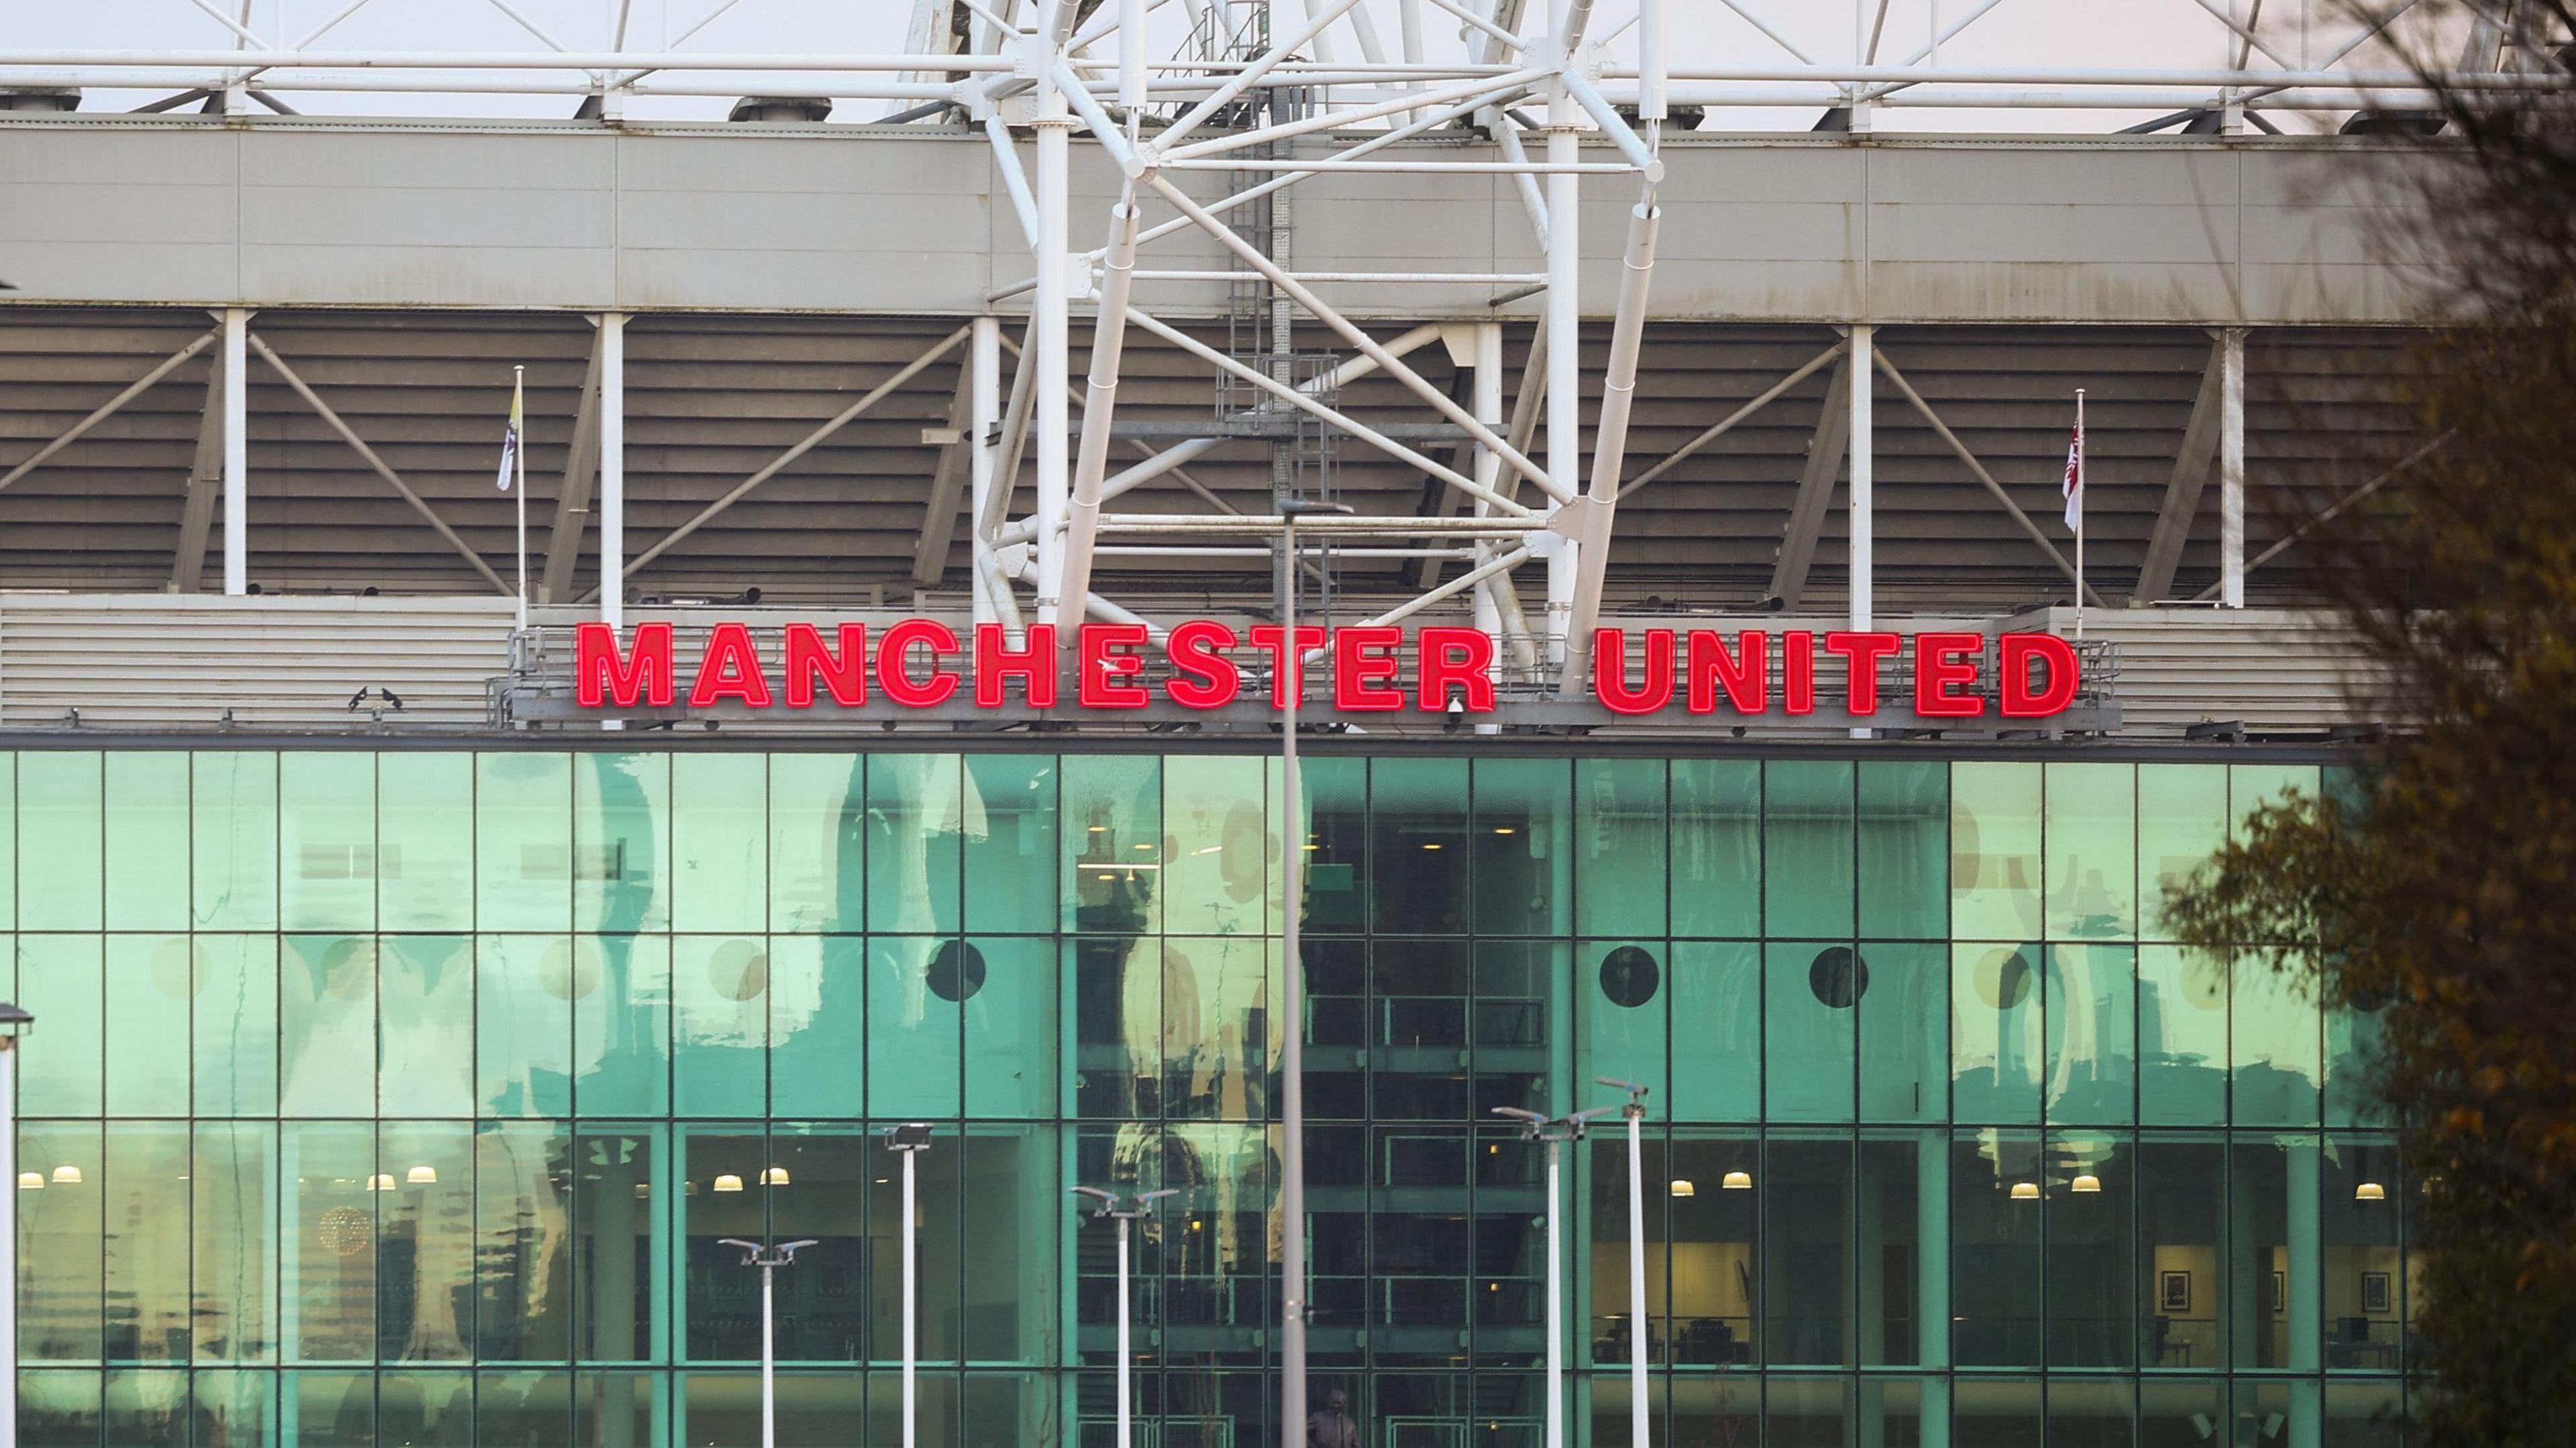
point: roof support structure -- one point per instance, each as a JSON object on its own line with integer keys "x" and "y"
{"x": 1815, "y": 491}
{"x": 205, "y": 480}
{"x": 572, "y": 495}
{"x": 1979, "y": 470}
{"x": 1728, "y": 423}
{"x": 383, "y": 469}
{"x": 2340, "y": 507}
{"x": 109, "y": 408}
{"x": 958, "y": 457}
{"x": 236, "y": 369}
{"x": 2183, "y": 490}
{"x": 2231, "y": 468}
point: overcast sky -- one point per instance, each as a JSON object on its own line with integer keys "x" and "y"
{"x": 2072, "y": 33}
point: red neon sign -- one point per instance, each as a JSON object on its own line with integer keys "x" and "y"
{"x": 921, "y": 663}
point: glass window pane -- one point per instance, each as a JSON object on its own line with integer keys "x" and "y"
{"x": 621, "y": 842}
{"x": 150, "y": 982}
{"x": 720, "y": 1025}
{"x": 1610, "y": 1326}
{"x": 329, "y": 1245}
{"x": 1995, "y": 1277}
{"x": 147, "y": 840}
{"x": 621, "y": 1032}
{"x": 1216, "y": 1027}
{"x": 2089, "y": 1190}
{"x": 824, "y": 1305}
{"x": 329, "y": 1409}
{"x": 1807, "y": 1413}
{"x": 2182, "y": 1232}
{"x": 1011, "y": 1028}
{"x": 432, "y": 1408}
{"x": 425, "y": 1241}
{"x": 147, "y": 1408}
{"x": 1620, "y": 849}
{"x": 523, "y": 841}
{"x": 1904, "y": 1284}
{"x": 1113, "y": 837}
{"x": 1520, "y": 1012}
{"x": 818, "y": 1025}
{"x": 2182, "y": 820}
{"x": 232, "y": 1262}
{"x": 1422, "y": 1021}
{"x": 2091, "y": 993}
{"x": 60, "y": 1226}
{"x": 1622, "y": 991}
{"x": 1812, "y": 1037}
{"x": 1904, "y": 993}
{"x": 2092, "y": 1413}
{"x": 2092, "y": 835}
{"x": 917, "y": 1027}
{"x": 1807, "y": 1252}
{"x": 1417, "y": 830}
{"x": 327, "y": 840}
{"x": 232, "y": 829}
{"x": 1717, "y": 1009}
{"x": 425, "y": 841}
{"x": 1015, "y": 1202}
{"x": 2275, "y": 1031}
{"x": 1905, "y": 849}
{"x": 2271, "y": 1296}
{"x": 2355, "y": 1042}
{"x": 719, "y": 842}
{"x": 1714, "y": 1297}
{"x": 2361, "y": 1190}
{"x": 615, "y": 1247}
{"x": 2363, "y": 1415}
{"x": 59, "y": 1407}
{"x": 145, "y": 1192}
{"x": 1217, "y": 880}
{"x": 9, "y": 840}
{"x": 235, "y": 1024}
{"x": 817, "y": 842}
{"x": 1717, "y": 847}
{"x": 524, "y": 1408}
{"x": 619, "y": 1407}
{"x": 1114, "y": 986}
{"x": 2172, "y": 1411}
{"x": 722, "y": 1197}
{"x": 1520, "y": 843}
{"x": 1994, "y": 851}
{"x": 60, "y": 807}
{"x": 2252, "y": 786}
{"x": 1010, "y": 867}
{"x": 1335, "y": 875}
{"x": 1996, "y": 1047}
{"x": 60, "y": 981}
{"x": 524, "y": 993}
{"x": 1807, "y": 842}
{"x": 2182, "y": 1037}
{"x": 939, "y": 1238}
{"x": 427, "y": 1030}
{"x": 522, "y": 1242}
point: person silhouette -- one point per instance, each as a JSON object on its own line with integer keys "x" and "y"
{"x": 1332, "y": 1426}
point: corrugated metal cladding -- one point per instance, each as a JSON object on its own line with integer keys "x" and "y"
{"x": 2271, "y": 670}
{"x": 712, "y": 399}
{"x": 145, "y": 662}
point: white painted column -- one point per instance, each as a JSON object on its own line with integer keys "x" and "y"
{"x": 612, "y": 469}
{"x": 1864, "y": 367}
{"x": 1049, "y": 334}
{"x": 2231, "y": 468}
{"x": 236, "y": 453}
{"x": 983, "y": 419}
{"x": 1564, "y": 353}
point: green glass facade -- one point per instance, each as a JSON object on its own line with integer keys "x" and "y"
{"x": 401, "y": 1096}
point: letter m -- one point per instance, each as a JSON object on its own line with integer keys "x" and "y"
{"x": 601, "y": 676}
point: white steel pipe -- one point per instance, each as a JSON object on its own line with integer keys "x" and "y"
{"x": 1610, "y": 437}
{"x": 1050, "y": 331}
{"x": 1565, "y": 355}
{"x": 1015, "y": 180}
{"x": 2231, "y": 468}
{"x": 9, "y": 1237}
{"x": 1481, "y": 90}
{"x": 1652, "y": 101}
{"x": 984, "y": 419}
{"x": 1641, "y": 1334}
{"x": 1863, "y": 456}
{"x": 1099, "y": 405}
{"x": 911, "y": 1303}
{"x": 1555, "y": 1297}
{"x": 1325, "y": 13}
{"x": 612, "y": 469}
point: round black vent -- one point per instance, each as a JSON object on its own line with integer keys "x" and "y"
{"x": 956, "y": 970}
{"x": 1838, "y": 977}
{"x": 1629, "y": 976}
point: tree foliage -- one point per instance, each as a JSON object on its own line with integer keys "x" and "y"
{"x": 2441, "y": 890}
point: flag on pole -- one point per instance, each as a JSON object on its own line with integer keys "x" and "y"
{"x": 510, "y": 438}
{"x": 2074, "y": 484}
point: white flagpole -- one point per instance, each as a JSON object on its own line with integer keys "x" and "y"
{"x": 2079, "y": 512}
{"x": 518, "y": 398}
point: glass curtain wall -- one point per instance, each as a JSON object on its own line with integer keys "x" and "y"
{"x": 407, "y": 1097}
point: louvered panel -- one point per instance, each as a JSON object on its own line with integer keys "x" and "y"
{"x": 2273, "y": 670}
{"x": 162, "y": 662}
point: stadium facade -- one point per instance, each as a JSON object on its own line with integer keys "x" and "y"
{"x": 433, "y": 970}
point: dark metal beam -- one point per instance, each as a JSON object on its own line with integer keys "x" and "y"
{"x": 205, "y": 483}
{"x": 2182, "y": 491}
{"x": 947, "y": 487}
{"x": 1815, "y": 489}
{"x": 572, "y": 495}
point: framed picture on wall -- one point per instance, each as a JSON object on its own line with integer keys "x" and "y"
{"x": 2173, "y": 1292}
{"x": 2374, "y": 1293}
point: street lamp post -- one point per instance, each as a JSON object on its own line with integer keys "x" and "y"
{"x": 768, "y": 1260}
{"x": 1556, "y": 1131}
{"x": 1139, "y": 1206}
{"x": 1292, "y": 993}
{"x": 14, "y": 1022}
{"x": 1640, "y": 1338}
{"x": 909, "y": 1141}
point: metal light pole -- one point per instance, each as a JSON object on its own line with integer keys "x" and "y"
{"x": 1639, "y": 1336}
{"x": 1140, "y": 1205}
{"x": 1556, "y": 1131}
{"x": 909, "y": 1141}
{"x": 14, "y": 1023}
{"x": 1292, "y": 994}
{"x": 768, "y": 1260}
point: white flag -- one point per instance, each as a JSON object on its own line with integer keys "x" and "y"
{"x": 2074, "y": 485}
{"x": 510, "y": 440}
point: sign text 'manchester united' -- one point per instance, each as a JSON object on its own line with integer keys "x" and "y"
{"x": 923, "y": 663}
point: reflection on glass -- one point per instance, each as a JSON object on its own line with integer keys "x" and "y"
{"x": 1217, "y": 880}
{"x": 522, "y": 1241}
{"x": 1010, "y": 868}
{"x": 1807, "y": 848}
{"x": 1716, "y": 857}
{"x": 525, "y": 986}
{"x": 616, "y": 1200}
{"x": 916, "y": 990}
{"x": 1812, "y": 1036}
{"x": 1996, "y": 1197}
{"x": 232, "y": 832}
{"x": 59, "y": 846}
{"x": 2275, "y": 1045}
{"x": 1619, "y": 846}
{"x": 1903, "y": 993}
{"x": 327, "y": 840}
{"x": 621, "y": 1030}
{"x": 233, "y": 1224}
{"x": 1806, "y": 1186}
{"x": 1995, "y": 851}
{"x": 1113, "y": 843}
{"x": 2088, "y": 1192}
{"x": 426, "y": 1033}
{"x": 1904, "y": 849}
{"x": 1997, "y": 1051}
{"x": 818, "y": 1025}
{"x": 2182, "y": 1233}
{"x": 817, "y": 842}
{"x": 60, "y": 1224}
{"x": 152, "y": 982}
{"x": 147, "y": 840}
{"x": 1216, "y": 1028}
{"x": 919, "y": 813}
{"x": 720, "y": 1025}
{"x": 2090, "y": 996}
{"x": 328, "y": 1241}
{"x": 2092, "y": 852}
{"x": 1418, "y": 837}
{"x": 719, "y": 842}
{"x": 425, "y": 841}
{"x": 621, "y": 842}
{"x": 145, "y": 1194}
{"x": 425, "y": 1247}
{"x": 60, "y": 980}
{"x": 1717, "y": 1012}
{"x": 1520, "y": 841}
{"x": 523, "y": 841}
{"x": 234, "y": 1024}
{"x": 326, "y": 989}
